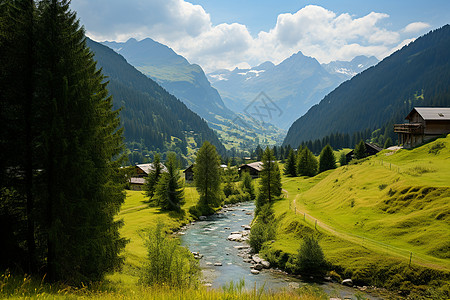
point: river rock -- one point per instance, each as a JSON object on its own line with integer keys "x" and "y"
{"x": 256, "y": 258}
{"x": 347, "y": 282}
{"x": 246, "y": 227}
{"x": 218, "y": 264}
{"x": 258, "y": 267}
{"x": 235, "y": 237}
{"x": 265, "y": 264}
{"x": 226, "y": 228}
{"x": 254, "y": 272}
{"x": 202, "y": 218}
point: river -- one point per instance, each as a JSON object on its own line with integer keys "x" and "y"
{"x": 209, "y": 238}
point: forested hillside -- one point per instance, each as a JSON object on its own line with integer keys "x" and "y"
{"x": 416, "y": 75}
{"x": 150, "y": 115}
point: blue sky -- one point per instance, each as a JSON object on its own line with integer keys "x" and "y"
{"x": 262, "y": 14}
{"x": 228, "y": 33}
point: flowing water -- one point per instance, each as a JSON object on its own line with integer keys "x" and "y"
{"x": 209, "y": 238}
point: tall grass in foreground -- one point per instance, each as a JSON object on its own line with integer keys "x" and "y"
{"x": 12, "y": 287}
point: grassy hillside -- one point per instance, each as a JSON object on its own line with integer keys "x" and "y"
{"x": 372, "y": 216}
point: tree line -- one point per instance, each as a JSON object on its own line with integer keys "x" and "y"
{"x": 60, "y": 148}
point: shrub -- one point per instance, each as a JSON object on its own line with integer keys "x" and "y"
{"x": 310, "y": 259}
{"x": 168, "y": 263}
{"x": 264, "y": 228}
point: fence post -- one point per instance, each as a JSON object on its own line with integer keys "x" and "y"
{"x": 410, "y": 259}
{"x": 315, "y": 226}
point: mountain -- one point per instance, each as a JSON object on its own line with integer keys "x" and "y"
{"x": 189, "y": 83}
{"x": 151, "y": 117}
{"x": 416, "y": 75}
{"x": 294, "y": 85}
{"x": 348, "y": 69}
{"x": 173, "y": 72}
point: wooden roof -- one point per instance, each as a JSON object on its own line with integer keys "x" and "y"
{"x": 431, "y": 113}
{"x": 147, "y": 168}
{"x": 258, "y": 166}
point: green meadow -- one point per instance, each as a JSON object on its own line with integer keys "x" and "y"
{"x": 375, "y": 218}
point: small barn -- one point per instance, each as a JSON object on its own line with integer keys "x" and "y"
{"x": 371, "y": 149}
{"x": 423, "y": 124}
{"x": 252, "y": 168}
{"x": 137, "y": 183}
{"x": 189, "y": 173}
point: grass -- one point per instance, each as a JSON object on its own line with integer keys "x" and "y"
{"x": 138, "y": 217}
{"x": 373, "y": 215}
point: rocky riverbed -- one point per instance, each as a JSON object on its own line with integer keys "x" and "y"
{"x": 220, "y": 244}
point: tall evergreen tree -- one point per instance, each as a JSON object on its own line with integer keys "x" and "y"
{"x": 169, "y": 192}
{"x": 270, "y": 180}
{"x": 387, "y": 143}
{"x": 153, "y": 177}
{"x": 207, "y": 178}
{"x": 343, "y": 159}
{"x": 327, "y": 160}
{"x": 360, "y": 150}
{"x": 290, "y": 167}
{"x": 306, "y": 163}
{"x": 17, "y": 85}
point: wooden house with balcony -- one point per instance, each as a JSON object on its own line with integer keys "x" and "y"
{"x": 423, "y": 124}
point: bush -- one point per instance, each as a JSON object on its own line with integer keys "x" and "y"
{"x": 310, "y": 259}
{"x": 168, "y": 263}
{"x": 263, "y": 230}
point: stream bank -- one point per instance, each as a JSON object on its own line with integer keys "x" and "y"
{"x": 224, "y": 260}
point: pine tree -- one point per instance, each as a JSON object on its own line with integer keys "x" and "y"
{"x": 17, "y": 85}
{"x": 79, "y": 135}
{"x": 306, "y": 163}
{"x": 343, "y": 159}
{"x": 290, "y": 168}
{"x": 270, "y": 184}
{"x": 207, "y": 178}
{"x": 153, "y": 177}
{"x": 387, "y": 143}
{"x": 169, "y": 192}
{"x": 327, "y": 160}
{"x": 360, "y": 150}
{"x": 247, "y": 185}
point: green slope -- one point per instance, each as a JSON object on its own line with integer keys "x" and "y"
{"x": 372, "y": 216}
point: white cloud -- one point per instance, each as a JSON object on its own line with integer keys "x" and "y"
{"x": 416, "y": 27}
{"x": 187, "y": 28}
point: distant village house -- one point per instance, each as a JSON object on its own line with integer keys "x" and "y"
{"x": 137, "y": 181}
{"x": 423, "y": 124}
{"x": 252, "y": 168}
{"x": 371, "y": 149}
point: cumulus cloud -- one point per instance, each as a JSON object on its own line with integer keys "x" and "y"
{"x": 416, "y": 27}
{"x": 187, "y": 28}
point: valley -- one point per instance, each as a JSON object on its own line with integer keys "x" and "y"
{"x": 191, "y": 150}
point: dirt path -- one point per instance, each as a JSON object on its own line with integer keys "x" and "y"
{"x": 367, "y": 242}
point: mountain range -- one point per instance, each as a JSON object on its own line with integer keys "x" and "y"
{"x": 151, "y": 117}
{"x": 416, "y": 75}
{"x": 294, "y": 85}
{"x": 189, "y": 83}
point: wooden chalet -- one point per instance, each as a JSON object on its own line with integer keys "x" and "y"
{"x": 252, "y": 168}
{"x": 143, "y": 170}
{"x": 423, "y": 124}
{"x": 371, "y": 149}
{"x": 137, "y": 181}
